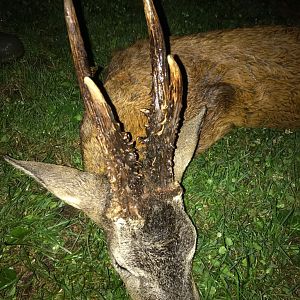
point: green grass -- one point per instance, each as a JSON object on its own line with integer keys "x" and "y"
{"x": 244, "y": 200}
{"x": 242, "y": 194}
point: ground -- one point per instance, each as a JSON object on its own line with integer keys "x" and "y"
{"x": 242, "y": 194}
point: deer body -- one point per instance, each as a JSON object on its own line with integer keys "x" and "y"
{"x": 233, "y": 78}
{"x": 246, "y": 77}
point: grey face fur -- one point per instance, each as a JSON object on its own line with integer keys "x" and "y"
{"x": 154, "y": 257}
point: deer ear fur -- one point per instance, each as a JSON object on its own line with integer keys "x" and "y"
{"x": 187, "y": 142}
{"x": 79, "y": 189}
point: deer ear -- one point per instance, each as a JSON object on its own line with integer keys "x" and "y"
{"x": 187, "y": 142}
{"x": 79, "y": 189}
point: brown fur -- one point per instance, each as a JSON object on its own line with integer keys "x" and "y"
{"x": 246, "y": 77}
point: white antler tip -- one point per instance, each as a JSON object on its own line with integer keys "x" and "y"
{"x": 93, "y": 89}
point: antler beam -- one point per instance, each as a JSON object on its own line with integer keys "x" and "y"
{"x": 77, "y": 48}
{"x": 163, "y": 116}
{"x": 116, "y": 147}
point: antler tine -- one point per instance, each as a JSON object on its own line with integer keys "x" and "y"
{"x": 166, "y": 105}
{"x": 77, "y": 48}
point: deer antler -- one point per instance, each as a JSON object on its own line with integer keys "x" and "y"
{"x": 166, "y": 105}
{"x": 124, "y": 171}
{"x": 116, "y": 147}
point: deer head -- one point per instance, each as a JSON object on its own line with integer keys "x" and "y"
{"x": 137, "y": 200}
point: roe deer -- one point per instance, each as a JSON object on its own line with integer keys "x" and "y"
{"x": 243, "y": 77}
